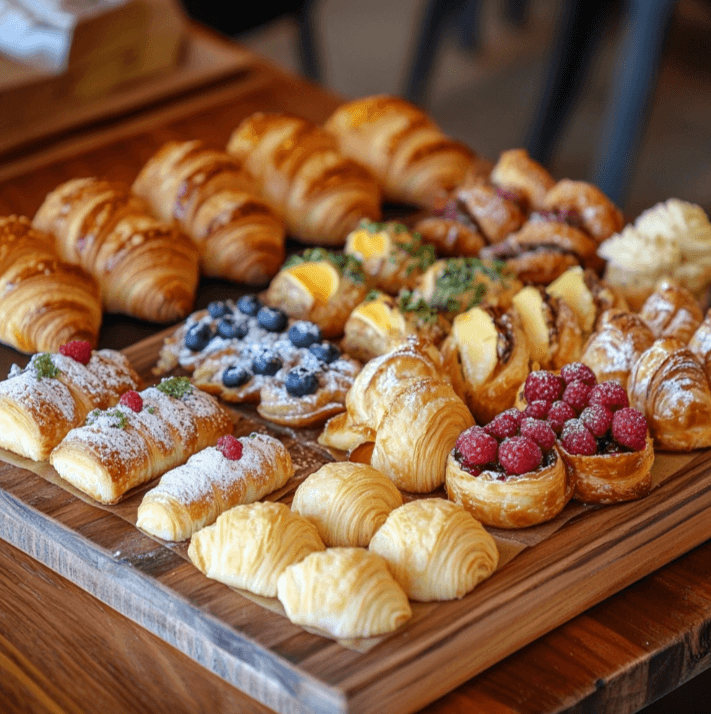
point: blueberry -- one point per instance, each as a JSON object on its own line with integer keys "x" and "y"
{"x": 303, "y": 333}
{"x": 249, "y": 304}
{"x": 198, "y": 336}
{"x": 267, "y": 362}
{"x": 217, "y": 308}
{"x": 325, "y": 351}
{"x": 236, "y": 376}
{"x": 272, "y": 319}
{"x": 301, "y": 381}
{"x": 229, "y": 328}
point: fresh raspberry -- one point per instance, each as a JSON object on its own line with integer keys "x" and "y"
{"x": 576, "y": 438}
{"x": 78, "y": 350}
{"x": 629, "y": 428}
{"x": 537, "y": 409}
{"x": 558, "y": 414}
{"x": 609, "y": 394}
{"x": 540, "y": 431}
{"x": 505, "y": 424}
{"x": 543, "y": 385}
{"x": 578, "y": 372}
{"x": 519, "y": 455}
{"x": 597, "y": 419}
{"x": 230, "y": 447}
{"x": 475, "y": 447}
{"x": 132, "y": 400}
{"x": 576, "y": 394}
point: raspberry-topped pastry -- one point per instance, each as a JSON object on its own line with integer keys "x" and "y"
{"x": 508, "y": 474}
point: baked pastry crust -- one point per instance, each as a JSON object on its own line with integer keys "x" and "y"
{"x": 672, "y": 311}
{"x": 517, "y": 172}
{"x": 347, "y": 502}
{"x": 451, "y": 237}
{"x": 249, "y": 546}
{"x": 435, "y": 549}
{"x": 345, "y": 592}
{"x": 192, "y": 496}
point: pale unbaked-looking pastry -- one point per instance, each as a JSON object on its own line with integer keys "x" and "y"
{"x": 346, "y": 592}
{"x": 192, "y": 496}
{"x": 347, "y": 502}
{"x": 249, "y": 546}
{"x": 435, "y": 549}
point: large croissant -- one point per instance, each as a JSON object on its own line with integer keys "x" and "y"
{"x": 300, "y": 171}
{"x": 44, "y": 301}
{"x": 145, "y": 268}
{"x": 216, "y": 203}
{"x": 408, "y": 153}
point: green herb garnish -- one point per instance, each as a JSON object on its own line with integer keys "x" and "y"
{"x": 372, "y": 295}
{"x": 176, "y": 387}
{"x": 44, "y": 367}
{"x": 151, "y": 409}
{"x": 121, "y": 420}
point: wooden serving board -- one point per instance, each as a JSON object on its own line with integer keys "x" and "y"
{"x": 590, "y": 557}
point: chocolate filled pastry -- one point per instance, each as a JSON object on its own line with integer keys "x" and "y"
{"x": 142, "y": 437}
{"x": 300, "y": 171}
{"x": 45, "y": 302}
{"x": 53, "y": 394}
{"x": 672, "y": 311}
{"x": 412, "y": 159}
{"x": 232, "y": 472}
{"x": 145, "y": 268}
{"x": 435, "y": 549}
{"x": 320, "y": 286}
{"x": 392, "y": 256}
{"x": 487, "y": 356}
{"x": 522, "y": 176}
{"x": 216, "y": 203}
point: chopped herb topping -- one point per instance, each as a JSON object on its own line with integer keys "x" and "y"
{"x": 120, "y": 420}
{"x": 348, "y": 265}
{"x": 44, "y": 367}
{"x": 408, "y": 302}
{"x": 372, "y": 295}
{"x": 460, "y": 277}
{"x": 151, "y": 409}
{"x": 176, "y": 387}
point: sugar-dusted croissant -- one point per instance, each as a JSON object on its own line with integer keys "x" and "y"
{"x": 192, "y": 496}
{"x": 45, "y": 302}
{"x": 700, "y": 343}
{"x": 144, "y": 268}
{"x": 141, "y": 438}
{"x": 408, "y": 153}
{"x": 40, "y": 404}
{"x": 672, "y": 311}
{"x": 216, "y": 203}
{"x": 299, "y": 170}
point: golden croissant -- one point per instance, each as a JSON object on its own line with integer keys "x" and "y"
{"x": 145, "y": 268}
{"x": 216, "y": 203}
{"x": 45, "y": 302}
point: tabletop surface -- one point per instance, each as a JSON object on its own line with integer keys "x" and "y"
{"x": 62, "y": 650}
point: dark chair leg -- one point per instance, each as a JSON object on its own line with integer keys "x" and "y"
{"x": 469, "y": 25}
{"x": 516, "y": 12}
{"x": 309, "y": 54}
{"x": 635, "y": 78}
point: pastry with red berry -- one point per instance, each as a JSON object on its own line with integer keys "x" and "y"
{"x": 234, "y": 471}
{"x": 53, "y": 394}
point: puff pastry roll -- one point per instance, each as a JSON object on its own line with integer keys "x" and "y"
{"x": 700, "y": 343}
{"x": 41, "y": 403}
{"x": 215, "y": 202}
{"x": 345, "y": 592}
{"x": 672, "y": 311}
{"x": 518, "y": 174}
{"x": 347, "y": 502}
{"x": 45, "y": 302}
{"x": 249, "y": 546}
{"x": 145, "y": 268}
{"x": 141, "y": 438}
{"x": 408, "y": 153}
{"x": 234, "y": 472}
{"x": 450, "y": 232}
{"x": 300, "y": 171}
{"x": 435, "y": 549}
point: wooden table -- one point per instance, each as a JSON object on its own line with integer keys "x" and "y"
{"x": 63, "y": 650}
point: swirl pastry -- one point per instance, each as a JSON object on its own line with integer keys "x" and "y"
{"x": 45, "y": 302}
{"x": 345, "y": 592}
{"x": 671, "y": 311}
{"x": 435, "y": 549}
{"x": 215, "y": 202}
{"x": 145, "y": 268}
{"x": 249, "y": 546}
{"x": 518, "y": 174}
{"x": 41, "y": 403}
{"x": 407, "y": 152}
{"x": 451, "y": 232}
{"x": 299, "y": 170}
{"x": 192, "y": 496}
{"x": 120, "y": 448}
{"x": 347, "y": 502}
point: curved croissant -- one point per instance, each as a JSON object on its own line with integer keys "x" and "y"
{"x": 215, "y": 202}
{"x": 45, "y": 302}
{"x": 145, "y": 268}
{"x": 408, "y": 153}
{"x": 298, "y": 168}
{"x": 672, "y": 311}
